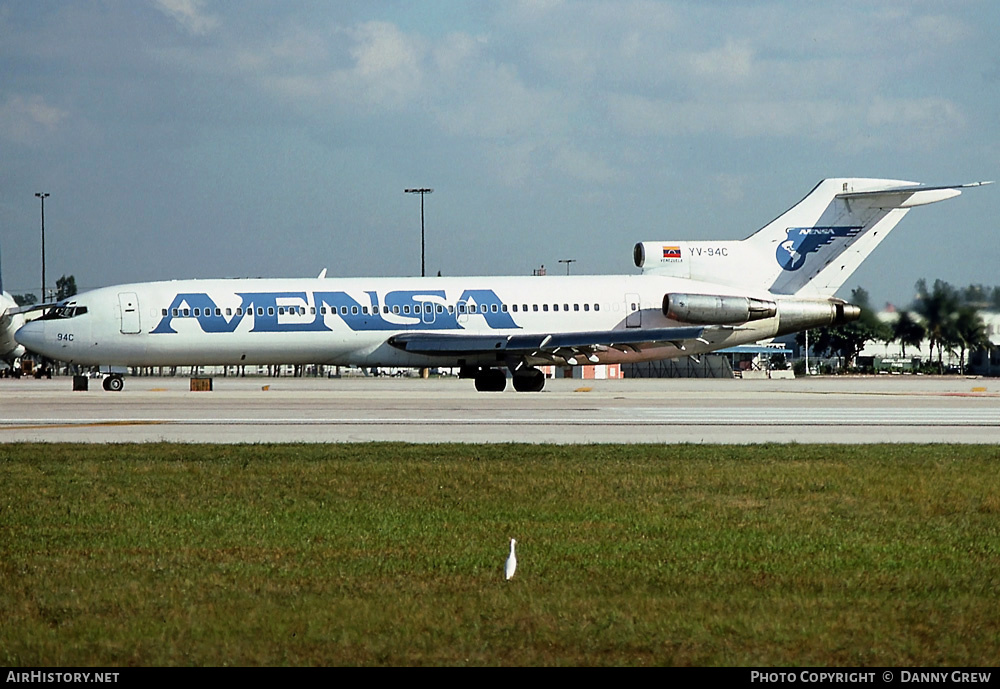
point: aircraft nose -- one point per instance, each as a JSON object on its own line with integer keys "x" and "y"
{"x": 32, "y": 336}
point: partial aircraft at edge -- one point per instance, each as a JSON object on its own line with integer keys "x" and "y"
{"x": 692, "y": 297}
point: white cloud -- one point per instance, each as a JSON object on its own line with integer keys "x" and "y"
{"x": 584, "y": 166}
{"x": 732, "y": 188}
{"x": 27, "y": 119}
{"x": 372, "y": 64}
{"x": 921, "y": 114}
{"x": 189, "y": 14}
{"x": 387, "y": 62}
{"x": 851, "y": 120}
{"x": 731, "y": 62}
{"x": 494, "y": 102}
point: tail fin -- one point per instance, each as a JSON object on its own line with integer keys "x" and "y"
{"x": 812, "y": 248}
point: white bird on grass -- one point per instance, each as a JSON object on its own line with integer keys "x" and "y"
{"x": 511, "y": 561}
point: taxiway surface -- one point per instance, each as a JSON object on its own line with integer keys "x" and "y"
{"x": 265, "y": 410}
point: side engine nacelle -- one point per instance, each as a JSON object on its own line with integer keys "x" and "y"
{"x": 793, "y": 314}
{"x": 716, "y": 310}
{"x": 801, "y": 314}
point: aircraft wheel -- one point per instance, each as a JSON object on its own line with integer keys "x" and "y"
{"x": 114, "y": 383}
{"x": 491, "y": 380}
{"x": 531, "y": 380}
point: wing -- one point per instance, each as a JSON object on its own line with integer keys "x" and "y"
{"x": 568, "y": 347}
{"x": 34, "y": 307}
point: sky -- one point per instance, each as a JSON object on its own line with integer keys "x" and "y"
{"x": 196, "y": 139}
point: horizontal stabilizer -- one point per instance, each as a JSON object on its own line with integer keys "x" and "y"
{"x": 910, "y": 196}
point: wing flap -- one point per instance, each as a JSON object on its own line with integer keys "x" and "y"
{"x": 543, "y": 343}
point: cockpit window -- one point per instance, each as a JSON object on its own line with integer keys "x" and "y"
{"x": 64, "y": 310}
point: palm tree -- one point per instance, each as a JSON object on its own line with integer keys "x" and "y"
{"x": 968, "y": 332}
{"x": 937, "y": 307}
{"x": 908, "y": 332}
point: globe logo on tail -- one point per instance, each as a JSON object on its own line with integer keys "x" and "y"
{"x": 802, "y": 241}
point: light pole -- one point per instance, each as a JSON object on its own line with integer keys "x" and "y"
{"x": 43, "y": 196}
{"x": 567, "y": 261}
{"x": 423, "y": 271}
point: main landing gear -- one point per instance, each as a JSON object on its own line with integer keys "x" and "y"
{"x": 114, "y": 383}
{"x": 491, "y": 380}
{"x": 495, "y": 379}
{"x": 529, "y": 380}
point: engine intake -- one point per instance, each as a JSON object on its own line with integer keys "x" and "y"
{"x": 714, "y": 309}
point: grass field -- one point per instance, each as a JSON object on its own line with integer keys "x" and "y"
{"x": 386, "y": 554}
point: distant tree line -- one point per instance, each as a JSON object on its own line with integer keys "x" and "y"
{"x": 65, "y": 288}
{"x": 947, "y": 317}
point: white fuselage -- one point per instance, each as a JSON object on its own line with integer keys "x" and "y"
{"x": 349, "y": 320}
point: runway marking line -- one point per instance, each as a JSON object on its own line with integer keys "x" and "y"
{"x": 83, "y": 424}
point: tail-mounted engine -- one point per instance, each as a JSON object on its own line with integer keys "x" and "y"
{"x": 716, "y": 310}
{"x": 793, "y": 314}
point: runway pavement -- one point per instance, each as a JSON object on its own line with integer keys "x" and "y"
{"x": 264, "y": 410}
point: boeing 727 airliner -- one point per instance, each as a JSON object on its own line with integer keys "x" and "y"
{"x": 692, "y": 297}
